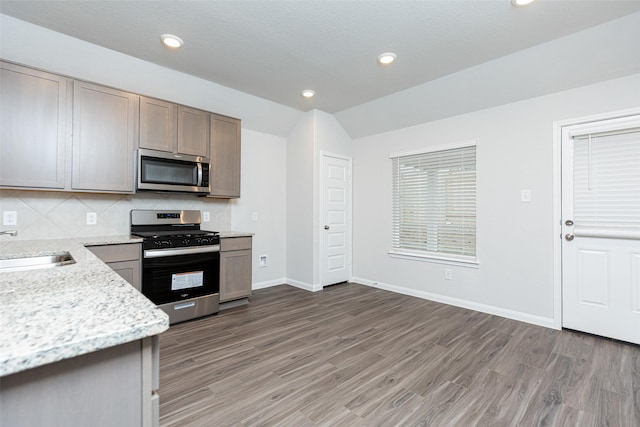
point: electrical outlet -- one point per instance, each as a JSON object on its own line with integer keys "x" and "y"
{"x": 254, "y": 216}
{"x": 206, "y": 217}
{"x": 525, "y": 195}
{"x": 9, "y": 218}
{"x": 448, "y": 274}
{"x": 92, "y": 218}
{"x": 263, "y": 261}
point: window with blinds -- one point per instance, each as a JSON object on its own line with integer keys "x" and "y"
{"x": 434, "y": 202}
{"x": 606, "y": 184}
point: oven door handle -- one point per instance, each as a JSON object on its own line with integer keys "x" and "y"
{"x": 157, "y": 253}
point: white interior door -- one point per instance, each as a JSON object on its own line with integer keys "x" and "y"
{"x": 335, "y": 253}
{"x": 601, "y": 228}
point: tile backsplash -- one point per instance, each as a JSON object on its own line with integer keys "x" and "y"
{"x": 53, "y": 215}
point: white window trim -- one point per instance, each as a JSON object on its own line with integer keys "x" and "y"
{"x": 444, "y": 147}
{"x": 424, "y": 256}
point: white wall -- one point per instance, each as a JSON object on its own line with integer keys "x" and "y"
{"x": 263, "y": 188}
{"x": 331, "y": 138}
{"x": 515, "y": 240}
{"x": 300, "y": 202}
{"x": 317, "y": 132}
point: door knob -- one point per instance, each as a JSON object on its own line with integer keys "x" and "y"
{"x": 569, "y": 237}
{"x": 326, "y": 227}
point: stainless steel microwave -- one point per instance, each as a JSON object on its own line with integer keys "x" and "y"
{"x": 160, "y": 171}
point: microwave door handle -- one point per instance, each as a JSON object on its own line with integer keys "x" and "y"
{"x": 199, "y": 183}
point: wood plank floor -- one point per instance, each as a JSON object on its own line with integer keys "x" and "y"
{"x": 352, "y": 355}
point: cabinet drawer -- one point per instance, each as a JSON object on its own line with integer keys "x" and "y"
{"x": 235, "y": 243}
{"x": 117, "y": 253}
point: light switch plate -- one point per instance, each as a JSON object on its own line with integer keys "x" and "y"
{"x": 525, "y": 195}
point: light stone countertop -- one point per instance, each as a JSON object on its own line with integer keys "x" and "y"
{"x": 58, "y": 313}
{"x": 108, "y": 240}
{"x": 228, "y": 234}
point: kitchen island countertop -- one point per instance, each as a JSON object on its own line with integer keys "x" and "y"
{"x": 58, "y": 313}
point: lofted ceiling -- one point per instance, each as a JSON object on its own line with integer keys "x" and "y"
{"x": 274, "y": 49}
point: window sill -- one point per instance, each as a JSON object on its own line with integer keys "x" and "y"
{"x": 426, "y": 257}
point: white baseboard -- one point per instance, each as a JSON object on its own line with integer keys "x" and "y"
{"x": 285, "y": 281}
{"x": 547, "y": 322}
{"x": 268, "y": 283}
{"x": 303, "y": 285}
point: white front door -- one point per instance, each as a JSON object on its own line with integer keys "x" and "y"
{"x": 601, "y": 228}
{"x": 335, "y": 255}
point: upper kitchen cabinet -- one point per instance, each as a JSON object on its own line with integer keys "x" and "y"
{"x": 158, "y": 120}
{"x": 33, "y": 127}
{"x": 225, "y": 157}
{"x": 173, "y": 128}
{"x": 193, "y": 131}
{"x": 105, "y": 127}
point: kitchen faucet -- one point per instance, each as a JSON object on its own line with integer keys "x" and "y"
{"x": 10, "y": 232}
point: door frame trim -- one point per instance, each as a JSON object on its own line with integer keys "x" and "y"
{"x": 557, "y": 199}
{"x": 349, "y": 225}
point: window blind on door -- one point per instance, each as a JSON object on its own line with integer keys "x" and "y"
{"x": 434, "y": 202}
{"x": 606, "y": 184}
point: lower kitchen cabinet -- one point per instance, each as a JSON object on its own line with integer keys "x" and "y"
{"x": 123, "y": 259}
{"x": 235, "y": 268}
{"x": 116, "y": 386}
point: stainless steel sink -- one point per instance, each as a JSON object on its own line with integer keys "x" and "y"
{"x": 36, "y": 262}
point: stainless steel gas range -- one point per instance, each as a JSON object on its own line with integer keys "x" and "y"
{"x": 180, "y": 264}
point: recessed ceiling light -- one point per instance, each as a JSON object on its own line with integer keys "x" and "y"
{"x": 171, "y": 41}
{"x": 386, "y": 58}
{"x": 520, "y": 3}
{"x": 308, "y": 93}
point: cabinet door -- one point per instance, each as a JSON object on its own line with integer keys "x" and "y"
{"x": 225, "y": 157}
{"x": 129, "y": 271}
{"x": 193, "y": 132}
{"x": 235, "y": 275}
{"x": 105, "y": 124}
{"x": 158, "y": 124}
{"x": 32, "y": 128}
{"x": 123, "y": 259}
{"x": 104, "y": 388}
